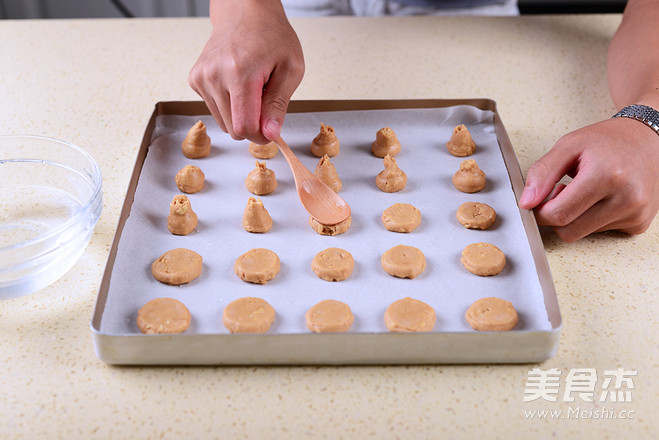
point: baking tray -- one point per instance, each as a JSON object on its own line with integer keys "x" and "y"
{"x": 360, "y": 346}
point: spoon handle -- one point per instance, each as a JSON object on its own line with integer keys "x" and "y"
{"x": 299, "y": 170}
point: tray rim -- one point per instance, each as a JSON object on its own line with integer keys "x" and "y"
{"x": 137, "y": 351}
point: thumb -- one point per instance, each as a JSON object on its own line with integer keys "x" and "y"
{"x": 273, "y": 109}
{"x": 544, "y": 174}
{"x": 276, "y": 96}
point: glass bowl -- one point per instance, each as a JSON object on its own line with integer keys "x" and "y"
{"x": 51, "y": 200}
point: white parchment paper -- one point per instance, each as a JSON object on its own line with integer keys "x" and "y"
{"x": 220, "y": 238}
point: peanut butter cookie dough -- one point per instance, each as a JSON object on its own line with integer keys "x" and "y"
{"x": 483, "y": 259}
{"x": 248, "y": 315}
{"x": 325, "y": 143}
{"x": 255, "y": 217}
{"x": 326, "y": 172}
{"x": 163, "y": 315}
{"x": 333, "y": 264}
{"x": 401, "y": 217}
{"x": 257, "y": 266}
{"x": 196, "y": 144}
{"x": 336, "y": 229}
{"x": 391, "y": 179}
{"x": 386, "y": 142}
{"x": 461, "y": 144}
{"x": 266, "y": 151}
{"x": 475, "y": 215}
{"x": 190, "y": 179}
{"x": 403, "y": 261}
{"x": 469, "y": 178}
{"x": 492, "y": 315}
{"x": 177, "y": 266}
{"x": 181, "y": 220}
{"x": 329, "y": 316}
{"x": 261, "y": 180}
{"x": 409, "y": 315}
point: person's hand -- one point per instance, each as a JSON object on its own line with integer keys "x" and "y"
{"x": 615, "y": 186}
{"x": 249, "y": 68}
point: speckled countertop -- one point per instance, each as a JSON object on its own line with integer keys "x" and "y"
{"x": 94, "y": 83}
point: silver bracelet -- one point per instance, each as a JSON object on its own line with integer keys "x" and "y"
{"x": 643, "y": 113}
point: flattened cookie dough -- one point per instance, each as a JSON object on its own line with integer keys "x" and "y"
{"x": 476, "y": 215}
{"x": 190, "y": 179}
{"x": 461, "y": 143}
{"x": 333, "y": 264}
{"x": 409, "y": 315}
{"x": 163, "y": 315}
{"x": 401, "y": 217}
{"x": 257, "y": 266}
{"x": 178, "y": 266}
{"x": 248, "y": 315}
{"x": 483, "y": 259}
{"x": 469, "y": 178}
{"x": 492, "y": 315}
{"x": 266, "y": 151}
{"x": 336, "y": 229}
{"x": 329, "y": 316}
{"x": 403, "y": 261}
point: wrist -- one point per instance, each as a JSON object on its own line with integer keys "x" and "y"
{"x": 233, "y": 9}
{"x": 642, "y": 113}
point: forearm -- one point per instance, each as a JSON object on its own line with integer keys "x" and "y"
{"x": 633, "y": 58}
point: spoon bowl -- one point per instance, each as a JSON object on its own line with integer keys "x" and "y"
{"x": 317, "y": 198}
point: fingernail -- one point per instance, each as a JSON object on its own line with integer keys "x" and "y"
{"x": 272, "y": 129}
{"x": 527, "y": 196}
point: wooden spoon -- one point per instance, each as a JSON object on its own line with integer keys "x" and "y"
{"x": 319, "y": 199}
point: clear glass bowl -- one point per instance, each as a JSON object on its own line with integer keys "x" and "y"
{"x": 51, "y": 199}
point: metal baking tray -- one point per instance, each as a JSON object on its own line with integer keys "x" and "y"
{"x": 355, "y": 347}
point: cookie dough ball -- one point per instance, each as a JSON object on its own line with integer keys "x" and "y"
{"x": 469, "y": 178}
{"x": 181, "y": 219}
{"x": 177, "y": 266}
{"x": 461, "y": 144}
{"x": 163, "y": 315}
{"x": 329, "y": 316}
{"x": 409, "y": 315}
{"x": 257, "y": 266}
{"x": 325, "y": 143}
{"x": 266, "y": 151}
{"x": 326, "y": 172}
{"x": 336, "y": 229}
{"x": 386, "y": 142}
{"x": 492, "y": 315}
{"x": 475, "y": 215}
{"x": 261, "y": 180}
{"x": 403, "y": 261}
{"x": 333, "y": 264}
{"x": 401, "y": 217}
{"x": 483, "y": 259}
{"x": 255, "y": 217}
{"x": 392, "y": 178}
{"x": 248, "y": 315}
{"x": 196, "y": 144}
{"x": 190, "y": 179}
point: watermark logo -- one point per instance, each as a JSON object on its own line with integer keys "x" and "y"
{"x": 580, "y": 385}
